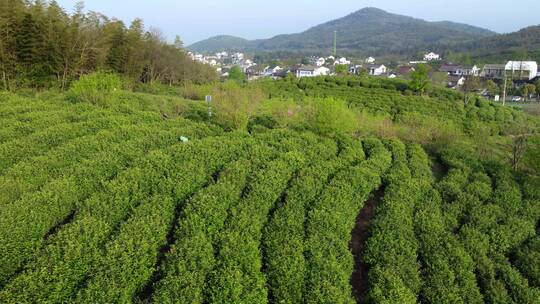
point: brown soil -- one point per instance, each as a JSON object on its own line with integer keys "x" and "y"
{"x": 360, "y": 235}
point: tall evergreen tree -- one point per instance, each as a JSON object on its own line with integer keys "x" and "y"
{"x": 27, "y": 40}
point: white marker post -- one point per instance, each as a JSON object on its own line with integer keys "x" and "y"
{"x": 208, "y": 99}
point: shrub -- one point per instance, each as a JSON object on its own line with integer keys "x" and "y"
{"x": 331, "y": 117}
{"x": 97, "y": 88}
{"x": 233, "y": 106}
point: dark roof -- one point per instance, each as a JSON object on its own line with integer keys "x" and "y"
{"x": 371, "y": 66}
{"x": 405, "y": 69}
{"x": 449, "y": 68}
{"x": 281, "y": 73}
{"x": 495, "y": 66}
{"x": 301, "y": 67}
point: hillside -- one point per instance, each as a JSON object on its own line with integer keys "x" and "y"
{"x": 290, "y": 189}
{"x": 221, "y": 43}
{"x": 366, "y": 31}
{"x": 523, "y": 44}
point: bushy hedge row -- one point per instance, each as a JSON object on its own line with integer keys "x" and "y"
{"x": 283, "y": 243}
{"x": 448, "y": 270}
{"x": 40, "y": 142}
{"x": 350, "y": 151}
{"x": 329, "y": 226}
{"x": 14, "y": 105}
{"x": 191, "y": 258}
{"x": 527, "y": 260}
{"x": 24, "y": 124}
{"x": 27, "y": 176}
{"x": 419, "y": 163}
{"x": 385, "y": 97}
{"x": 28, "y": 220}
{"x": 237, "y": 276}
{"x": 64, "y": 263}
{"x": 312, "y": 146}
{"x": 128, "y": 261}
{"x": 491, "y": 220}
{"x": 391, "y": 251}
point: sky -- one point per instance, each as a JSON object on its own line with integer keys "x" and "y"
{"x": 251, "y": 19}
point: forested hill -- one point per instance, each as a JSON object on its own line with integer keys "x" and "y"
{"x": 523, "y": 44}
{"x": 369, "y": 30}
{"x": 41, "y": 45}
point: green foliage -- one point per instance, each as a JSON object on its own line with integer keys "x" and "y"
{"x": 367, "y": 31}
{"x": 236, "y": 74}
{"x": 97, "y": 88}
{"x": 342, "y": 69}
{"x": 44, "y": 46}
{"x": 532, "y": 156}
{"x": 420, "y": 79}
{"x": 527, "y": 259}
{"x": 192, "y": 256}
{"x": 330, "y": 263}
{"x": 331, "y": 117}
{"x": 151, "y": 199}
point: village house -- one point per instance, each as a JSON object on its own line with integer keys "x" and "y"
{"x": 221, "y": 55}
{"x": 432, "y": 56}
{"x": 355, "y": 69}
{"x": 342, "y": 61}
{"x": 470, "y": 70}
{"x": 255, "y": 72}
{"x": 370, "y": 60}
{"x": 376, "y": 69}
{"x": 320, "y": 62}
{"x": 456, "y": 81}
{"x": 301, "y": 71}
{"x": 198, "y": 57}
{"x": 272, "y": 70}
{"x": 237, "y": 57}
{"x": 493, "y": 71}
{"x": 321, "y": 71}
{"x": 522, "y": 70}
{"x": 452, "y": 69}
{"x": 404, "y": 70}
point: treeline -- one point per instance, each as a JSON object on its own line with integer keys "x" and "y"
{"x": 520, "y": 45}
{"x": 41, "y": 45}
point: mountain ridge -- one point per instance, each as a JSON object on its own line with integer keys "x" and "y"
{"x": 366, "y": 30}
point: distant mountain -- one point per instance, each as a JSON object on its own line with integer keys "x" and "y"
{"x": 220, "y": 43}
{"x": 521, "y": 45}
{"x": 470, "y": 29}
{"x": 367, "y": 31}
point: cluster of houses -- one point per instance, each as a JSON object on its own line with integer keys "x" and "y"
{"x": 318, "y": 66}
{"x": 224, "y": 61}
{"x": 518, "y": 71}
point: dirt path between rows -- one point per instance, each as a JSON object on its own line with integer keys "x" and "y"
{"x": 360, "y": 235}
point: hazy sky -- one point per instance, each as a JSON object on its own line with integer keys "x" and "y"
{"x": 195, "y": 20}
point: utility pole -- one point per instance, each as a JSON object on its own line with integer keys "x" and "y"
{"x": 335, "y": 43}
{"x": 504, "y": 89}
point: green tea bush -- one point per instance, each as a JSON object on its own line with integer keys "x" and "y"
{"x": 97, "y": 88}
{"x": 331, "y": 117}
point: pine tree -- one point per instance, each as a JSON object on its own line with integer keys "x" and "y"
{"x": 117, "y": 53}
{"x": 26, "y": 41}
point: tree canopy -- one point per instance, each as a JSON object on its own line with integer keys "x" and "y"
{"x": 41, "y": 45}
